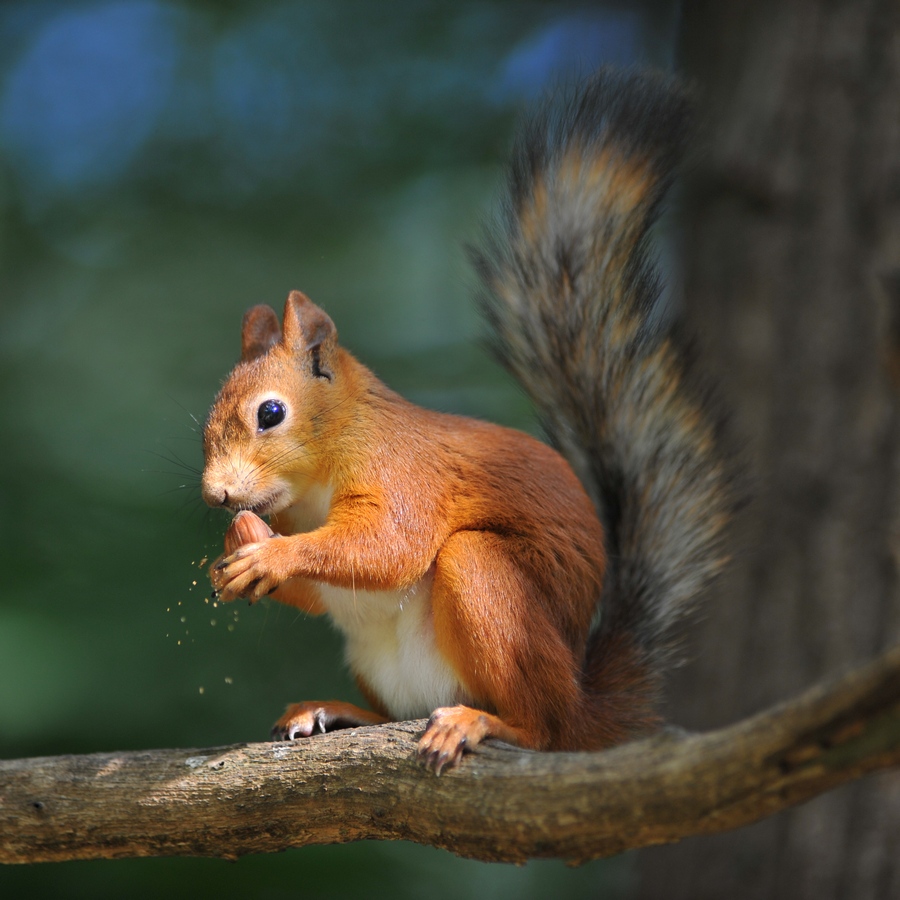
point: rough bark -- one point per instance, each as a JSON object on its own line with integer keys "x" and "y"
{"x": 792, "y": 232}
{"x": 501, "y": 804}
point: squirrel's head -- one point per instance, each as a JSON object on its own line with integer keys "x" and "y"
{"x": 263, "y": 439}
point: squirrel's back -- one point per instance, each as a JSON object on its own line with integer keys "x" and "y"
{"x": 570, "y": 291}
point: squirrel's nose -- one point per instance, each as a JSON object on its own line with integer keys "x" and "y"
{"x": 214, "y": 495}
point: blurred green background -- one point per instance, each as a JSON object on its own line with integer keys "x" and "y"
{"x": 163, "y": 166}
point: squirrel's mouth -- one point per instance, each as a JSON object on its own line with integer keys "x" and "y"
{"x": 265, "y": 506}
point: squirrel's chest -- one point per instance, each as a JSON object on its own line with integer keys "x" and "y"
{"x": 390, "y": 644}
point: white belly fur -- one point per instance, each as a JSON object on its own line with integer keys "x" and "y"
{"x": 389, "y": 634}
{"x": 391, "y": 644}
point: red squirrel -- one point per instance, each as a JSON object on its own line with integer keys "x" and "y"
{"x": 475, "y": 577}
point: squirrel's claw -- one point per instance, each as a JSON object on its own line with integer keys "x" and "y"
{"x": 248, "y": 572}
{"x": 445, "y": 739}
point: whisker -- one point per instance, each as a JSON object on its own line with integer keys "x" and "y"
{"x": 179, "y": 487}
{"x": 195, "y": 501}
{"x": 196, "y": 421}
{"x": 179, "y": 474}
{"x": 176, "y": 460}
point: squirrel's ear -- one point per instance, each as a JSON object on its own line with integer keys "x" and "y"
{"x": 310, "y": 334}
{"x": 259, "y": 331}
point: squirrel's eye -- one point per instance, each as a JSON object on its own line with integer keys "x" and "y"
{"x": 270, "y": 414}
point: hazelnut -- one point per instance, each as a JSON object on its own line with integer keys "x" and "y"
{"x": 246, "y": 528}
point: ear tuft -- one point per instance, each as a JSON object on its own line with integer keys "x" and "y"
{"x": 259, "y": 331}
{"x": 310, "y": 334}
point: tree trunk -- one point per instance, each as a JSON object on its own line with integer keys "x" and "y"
{"x": 792, "y": 248}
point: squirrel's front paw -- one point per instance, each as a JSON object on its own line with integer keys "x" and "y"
{"x": 246, "y": 531}
{"x": 252, "y": 571}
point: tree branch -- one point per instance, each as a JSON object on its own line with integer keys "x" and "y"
{"x": 501, "y": 804}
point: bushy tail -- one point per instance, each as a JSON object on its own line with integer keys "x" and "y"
{"x": 569, "y": 290}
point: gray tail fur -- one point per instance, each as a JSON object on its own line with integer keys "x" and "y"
{"x": 569, "y": 290}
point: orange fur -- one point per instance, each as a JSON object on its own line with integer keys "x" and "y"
{"x": 498, "y": 518}
{"x": 305, "y": 719}
{"x": 301, "y": 594}
{"x": 464, "y": 562}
